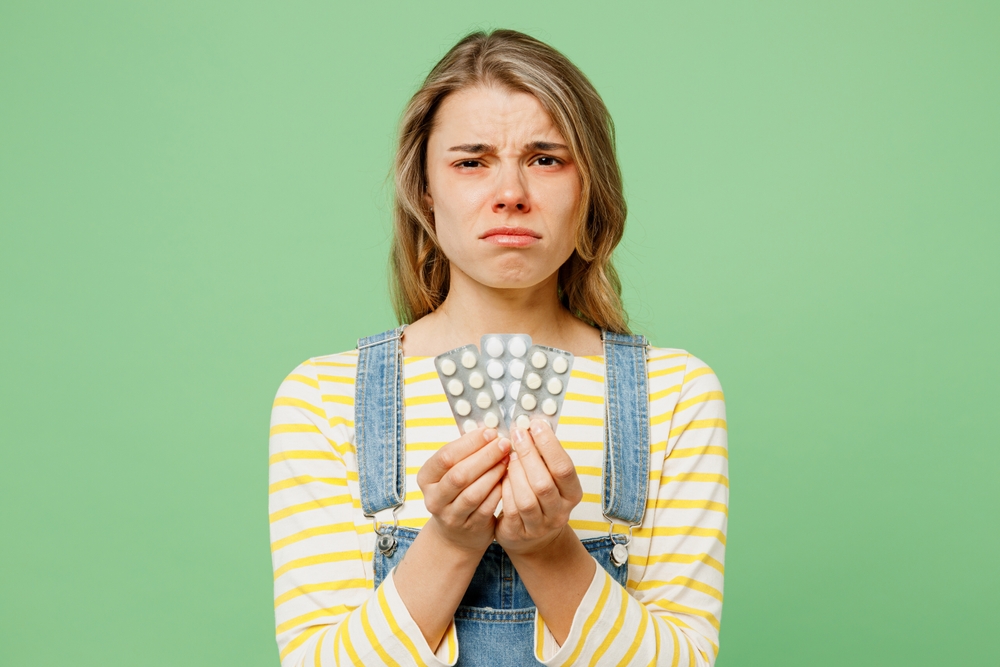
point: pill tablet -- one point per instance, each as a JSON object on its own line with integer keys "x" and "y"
{"x": 498, "y": 391}
{"x": 516, "y": 369}
{"x": 469, "y": 359}
{"x": 494, "y": 347}
{"x": 483, "y": 400}
{"x": 469, "y": 425}
{"x": 554, "y": 386}
{"x": 523, "y": 421}
{"x": 538, "y": 359}
{"x": 494, "y": 369}
{"x": 491, "y": 420}
{"x": 559, "y": 364}
{"x": 528, "y": 402}
{"x": 549, "y": 407}
{"x": 517, "y": 347}
{"x": 455, "y": 387}
{"x": 514, "y": 389}
{"x": 448, "y": 367}
{"x": 463, "y": 408}
{"x": 476, "y": 380}
{"x": 534, "y": 380}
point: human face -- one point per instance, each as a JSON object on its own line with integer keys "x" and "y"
{"x": 504, "y": 187}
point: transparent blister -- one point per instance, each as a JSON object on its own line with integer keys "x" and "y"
{"x": 467, "y": 386}
{"x": 505, "y": 356}
{"x": 543, "y": 386}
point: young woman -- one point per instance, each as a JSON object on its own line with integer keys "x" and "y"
{"x": 386, "y": 540}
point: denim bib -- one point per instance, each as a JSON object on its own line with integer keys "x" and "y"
{"x": 495, "y": 620}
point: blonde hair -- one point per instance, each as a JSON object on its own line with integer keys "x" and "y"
{"x": 588, "y": 284}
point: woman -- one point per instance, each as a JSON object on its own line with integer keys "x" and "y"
{"x": 386, "y": 541}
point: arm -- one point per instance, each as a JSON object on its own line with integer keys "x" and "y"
{"x": 671, "y": 615}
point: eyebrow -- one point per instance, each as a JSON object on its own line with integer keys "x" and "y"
{"x": 490, "y": 148}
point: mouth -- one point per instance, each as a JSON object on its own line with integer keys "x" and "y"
{"x": 511, "y": 237}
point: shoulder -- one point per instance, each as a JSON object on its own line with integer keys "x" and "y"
{"x": 676, "y": 368}
{"x": 337, "y": 369}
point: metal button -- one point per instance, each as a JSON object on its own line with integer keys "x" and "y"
{"x": 386, "y": 544}
{"x": 619, "y": 555}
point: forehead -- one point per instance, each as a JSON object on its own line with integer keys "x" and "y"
{"x": 492, "y": 115}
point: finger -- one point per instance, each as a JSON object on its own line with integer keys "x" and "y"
{"x": 488, "y": 507}
{"x": 510, "y": 503}
{"x": 535, "y": 471}
{"x": 448, "y": 456}
{"x": 524, "y": 497}
{"x": 557, "y": 460}
{"x": 473, "y": 495}
{"x": 471, "y": 468}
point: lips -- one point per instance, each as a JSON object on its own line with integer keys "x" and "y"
{"x": 511, "y": 237}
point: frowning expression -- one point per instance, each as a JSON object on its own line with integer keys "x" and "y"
{"x": 504, "y": 188}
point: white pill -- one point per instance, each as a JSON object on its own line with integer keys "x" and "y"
{"x": 514, "y": 389}
{"x": 498, "y": 391}
{"x": 549, "y": 407}
{"x": 516, "y": 369}
{"x": 538, "y": 359}
{"x": 455, "y": 387}
{"x": 523, "y": 421}
{"x": 469, "y": 359}
{"x": 559, "y": 364}
{"x": 448, "y": 367}
{"x": 554, "y": 385}
{"x": 483, "y": 400}
{"x": 494, "y": 347}
{"x": 491, "y": 420}
{"x": 517, "y": 347}
{"x": 534, "y": 380}
{"x": 494, "y": 369}
{"x": 463, "y": 408}
{"x": 476, "y": 379}
{"x": 528, "y": 402}
{"x": 469, "y": 425}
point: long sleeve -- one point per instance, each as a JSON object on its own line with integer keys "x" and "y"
{"x": 326, "y": 611}
{"x": 670, "y": 613}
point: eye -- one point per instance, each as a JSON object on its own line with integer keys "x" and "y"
{"x": 469, "y": 164}
{"x": 547, "y": 161}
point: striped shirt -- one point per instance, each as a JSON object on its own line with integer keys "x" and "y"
{"x": 327, "y": 611}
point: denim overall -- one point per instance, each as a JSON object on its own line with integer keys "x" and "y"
{"x": 495, "y": 620}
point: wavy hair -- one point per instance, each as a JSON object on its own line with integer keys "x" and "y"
{"x": 589, "y": 287}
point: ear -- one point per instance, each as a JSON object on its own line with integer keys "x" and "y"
{"x": 428, "y": 200}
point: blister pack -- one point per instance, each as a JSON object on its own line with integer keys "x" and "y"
{"x": 505, "y": 356}
{"x": 543, "y": 387}
{"x": 469, "y": 393}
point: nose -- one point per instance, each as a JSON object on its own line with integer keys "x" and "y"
{"x": 511, "y": 195}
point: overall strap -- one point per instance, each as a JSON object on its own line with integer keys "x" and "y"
{"x": 626, "y": 427}
{"x": 378, "y": 421}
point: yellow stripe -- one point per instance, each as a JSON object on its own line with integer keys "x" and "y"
{"x": 701, "y": 398}
{"x": 567, "y": 444}
{"x": 592, "y": 619}
{"x": 318, "y": 654}
{"x": 687, "y": 559}
{"x": 317, "y": 588}
{"x": 296, "y": 377}
{"x": 294, "y": 428}
{"x": 637, "y": 642}
{"x": 342, "y": 499}
{"x": 329, "y": 529}
{"x": 581, "y": 421}
{"x": 337, "y": 398}
{"x": 335, "y": 364}
{"x": 586, "y": 376}
{"x": 676, "y": 503}
{"x": 665, "y": 371}
{"x": 373, "y": 640}
{"x": 336, "y": 379}
{"x": 430, "y": 421}
{"x": 336, "y": 421}
{"x": 383, "y": 604}
{"x": 697, "y": 477}
{"x": 425, "y": 400}
{"x": 698, "y": 423}
{"x": 318, "y": 559}
{"x": 673, "y": 355}
{"x": 589, "y": 470}
{"x": 316, "y": 613}
{"x": 677, "y": 645}
{"x": 658, "y": 446}
{"x": 299, "y": 640}
{"x": 423, "y": 377}
{"x": 414, "y": 495}
{"x": 304, "y": 479}
{"x": 539, "y": 639}
{"x": 619, "y": 623}
{"x": 707, "y": 450}
{"x": 409, "y": 360}
{"x": 698, "y": 372}
{"x": 591, "y": 498}
{"x": 684, "y": 609}
{"x": 424, "y": 446}
{"x": 584, "y": 398}
{"x": 686, "y": 582}
{"x": 452, "y": 642}
{"x": 672, "y": 531}
{"x": 293, "y": 454}
{"x": 664, "y": 392}
{"x": 299, "y": 403}
{"x": 345, "y": 633}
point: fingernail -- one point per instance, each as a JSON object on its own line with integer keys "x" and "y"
{"x": 489, "y": 434}
{"x": 513, "y": 456}
{"x": 537, "y": 426}
{"x": 517, "y": 436}
{"x": 504, "y": 445}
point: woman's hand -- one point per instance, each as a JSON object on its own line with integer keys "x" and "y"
{"x": 461, "y": 486}
{"x": 539, "y": 491}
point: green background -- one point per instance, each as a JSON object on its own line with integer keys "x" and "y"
{"x": 193, "y": 200}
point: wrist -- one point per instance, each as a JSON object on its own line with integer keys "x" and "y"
{"x": 453, "y": 549}
{"x": 563, "y": 546}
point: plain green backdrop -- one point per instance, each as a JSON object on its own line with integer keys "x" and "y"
{"x": 193, "y": 200}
